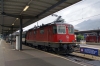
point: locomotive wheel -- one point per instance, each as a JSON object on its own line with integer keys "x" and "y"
{"x": 32, "y": 46}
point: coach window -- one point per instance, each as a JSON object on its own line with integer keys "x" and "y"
{"x": 42, "y": 31}
{"x": 61, "y": 29}
{"x": 54, "y": 29}
{"x": 70, "y": 29}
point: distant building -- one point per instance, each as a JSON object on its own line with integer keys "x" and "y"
{"x": 75, "y": 30}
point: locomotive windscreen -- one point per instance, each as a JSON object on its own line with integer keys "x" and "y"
{"x": 70, "y": 29}
{"x": 59, "y": 29}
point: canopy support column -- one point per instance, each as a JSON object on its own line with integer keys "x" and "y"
{"x": 11, "y": 35}
{"x": 21, "y": 30}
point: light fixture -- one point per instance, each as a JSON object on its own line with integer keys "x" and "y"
{"x": 12, "y": 23}
{"x": 26, "y": 8}
{"x": 16, "y": 18}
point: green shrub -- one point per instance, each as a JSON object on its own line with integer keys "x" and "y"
{"x": 79, "y": 37}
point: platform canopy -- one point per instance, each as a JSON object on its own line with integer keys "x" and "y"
{"x": 12, "y": 10}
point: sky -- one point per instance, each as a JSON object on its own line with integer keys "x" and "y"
{"x": 74, "y": 14}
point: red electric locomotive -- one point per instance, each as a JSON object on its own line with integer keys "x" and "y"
{"x": 57, "y": 36}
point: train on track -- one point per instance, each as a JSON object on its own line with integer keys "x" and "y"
{"x": 92, "y": 37}
{"x": 56, "y": 36}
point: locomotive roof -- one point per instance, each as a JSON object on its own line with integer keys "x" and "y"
{"x": 45, "y": 25}
{"x": 59, "y": 20}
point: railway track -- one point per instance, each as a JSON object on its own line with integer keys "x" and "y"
{"x": 86, "y": 61}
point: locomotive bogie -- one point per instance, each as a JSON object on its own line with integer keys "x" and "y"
{"x": 60, "y": 48}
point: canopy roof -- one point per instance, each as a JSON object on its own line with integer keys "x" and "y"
{"x": 10, "y": 10}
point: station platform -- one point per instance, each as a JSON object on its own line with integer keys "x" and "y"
{"x": 90, "y": 46}
{"x": 90, "y": 49}
{"x": 30, "y": 57}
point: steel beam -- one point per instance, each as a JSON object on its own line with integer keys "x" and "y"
{"x": 11, "y": 15}
{"x": 53, "y": 6}
{"x": 28, "y": 17}
{"x": 8, "y": 30}
{"x": 21, "y": 30}
{"x": 31, "y": 17}
{"x": 18, "y": 16}
{"x": 29, "y": 21}
{"x": 2, "y": 8}
{"x": 48, "y": 9}
{"x": 2, "y": 5}
{"x": 9, "y": 26}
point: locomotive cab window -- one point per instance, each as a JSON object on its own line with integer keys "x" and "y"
{"x": 61, "y": 29}
{"x": 70, "y": 29}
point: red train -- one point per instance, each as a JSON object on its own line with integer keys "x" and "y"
{"x": 92, "y": 37}
{"x": 57, "y": 36}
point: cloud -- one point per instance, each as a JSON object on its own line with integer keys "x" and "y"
{"x": 87, "y": 10}
{"x": 75, "y": 14}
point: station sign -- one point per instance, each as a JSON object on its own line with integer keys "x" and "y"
{"x": 89, "y": 51}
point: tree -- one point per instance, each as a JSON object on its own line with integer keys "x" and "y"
{"x": 79, "y": 37}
